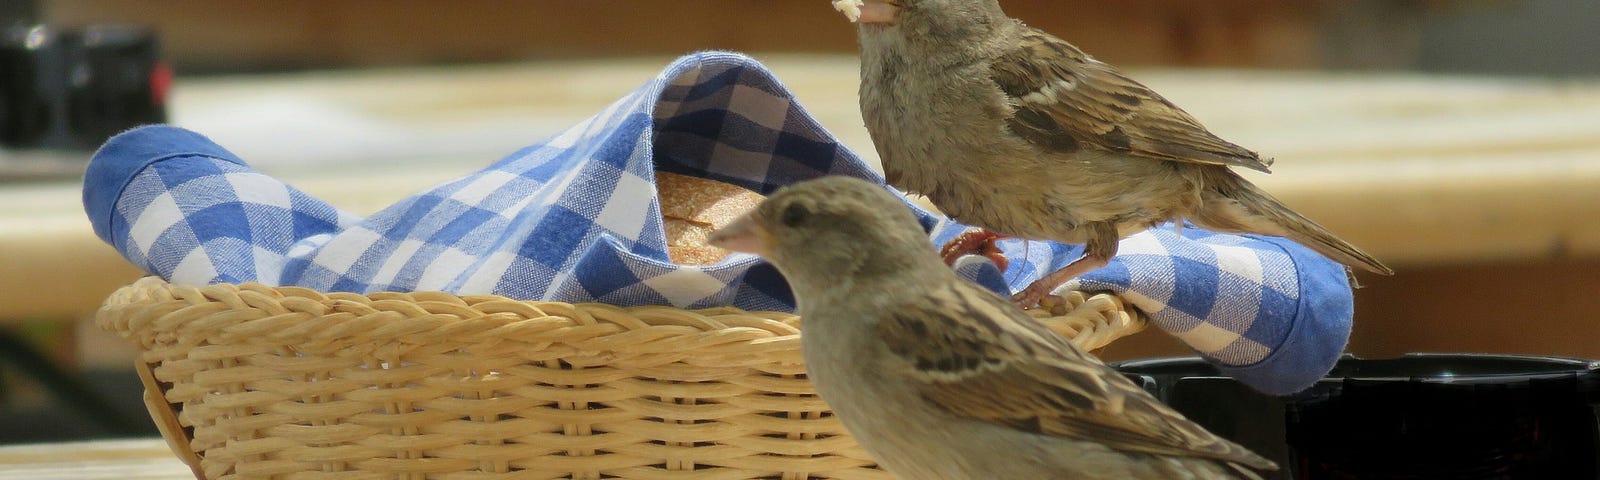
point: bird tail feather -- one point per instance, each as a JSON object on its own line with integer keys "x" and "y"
{"x": 1245, "y": 472}
{"x": 1233, "y": 204}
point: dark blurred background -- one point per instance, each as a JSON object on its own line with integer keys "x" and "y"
{"x": 65, "y": 380}
{"x": 1498, "y": 36}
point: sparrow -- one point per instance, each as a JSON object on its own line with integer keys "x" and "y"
{"x": 939, "y": 378}
{"x": 1010, "y": 129}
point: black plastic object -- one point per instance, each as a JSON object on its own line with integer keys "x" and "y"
{"x": 1418, "y": 417}
{"x": 76, "y": 88}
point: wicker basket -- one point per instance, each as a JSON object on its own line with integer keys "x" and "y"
{"x": 251, "y": 381}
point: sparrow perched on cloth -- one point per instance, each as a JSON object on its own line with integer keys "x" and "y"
{"x": 941, "y": 379}
{"x": 1008, "y": 128}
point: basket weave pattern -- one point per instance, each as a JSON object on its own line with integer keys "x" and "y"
{"x": 251, "y": 381}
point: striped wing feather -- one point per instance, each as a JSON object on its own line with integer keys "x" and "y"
{"x": 1066, "y": 100}
{"x": 981, "y": 358}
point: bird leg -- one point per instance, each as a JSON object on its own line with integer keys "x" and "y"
{"x": 1029, "y": 297}
{"x": 977, "y": 241}
{"x": 1097, "y": 253}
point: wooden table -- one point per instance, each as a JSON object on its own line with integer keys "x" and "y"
{"x": 135, "y": 459}
{"x": 1426, "y": 172}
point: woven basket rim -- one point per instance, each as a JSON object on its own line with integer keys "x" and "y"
{"x": 219, "y": 359}
{"x": 295, "y": 315}
{"x": 445, "y": 308}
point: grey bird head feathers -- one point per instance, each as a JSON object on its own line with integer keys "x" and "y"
{"x": 830, "y": 228}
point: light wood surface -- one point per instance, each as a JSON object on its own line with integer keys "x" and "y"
{"x": 1426, "y": 172}
{"x": 134, "y": 459}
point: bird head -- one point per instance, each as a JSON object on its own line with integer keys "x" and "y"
{"x": 822, "y": 231}
{"x": 937, "y": 21}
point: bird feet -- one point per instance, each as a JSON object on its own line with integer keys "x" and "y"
{"x": 977, "y": 241}
{"x": 1030, "y": 297}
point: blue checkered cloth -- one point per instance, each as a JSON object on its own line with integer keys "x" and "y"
{"x": 575, "y": 218}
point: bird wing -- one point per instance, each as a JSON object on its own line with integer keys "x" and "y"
{"x": 979, "y": 357}
{"x": 1066, "y": 100}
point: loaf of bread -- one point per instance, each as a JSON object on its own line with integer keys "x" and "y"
{"x": 692, "y": 208}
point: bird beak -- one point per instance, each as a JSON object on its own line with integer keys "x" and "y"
{"x": 868, "y": 11}
{"x": 743, "y": 235}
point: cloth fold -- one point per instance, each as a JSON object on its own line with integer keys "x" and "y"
{"x": 575, "y": 218}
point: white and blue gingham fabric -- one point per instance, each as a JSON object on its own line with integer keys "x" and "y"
{"x": 575, "y": 218}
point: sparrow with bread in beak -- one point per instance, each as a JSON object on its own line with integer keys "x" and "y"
{"x": 1010, "y": 129}
{"x": 940, "y": 379}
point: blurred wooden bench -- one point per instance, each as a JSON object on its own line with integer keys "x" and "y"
{"x": 1482, "y": 192}
{"x": 140, "y": 459}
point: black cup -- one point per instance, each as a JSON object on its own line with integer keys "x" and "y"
{"x": 1418, "y": 417}
{"x": 75, "y": 88}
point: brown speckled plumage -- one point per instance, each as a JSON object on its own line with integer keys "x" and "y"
{"x": 940, "y": 379}
{"x": 1006, "y": 127}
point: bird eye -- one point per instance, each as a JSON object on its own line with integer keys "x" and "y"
{"x": 795, "y": 214}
